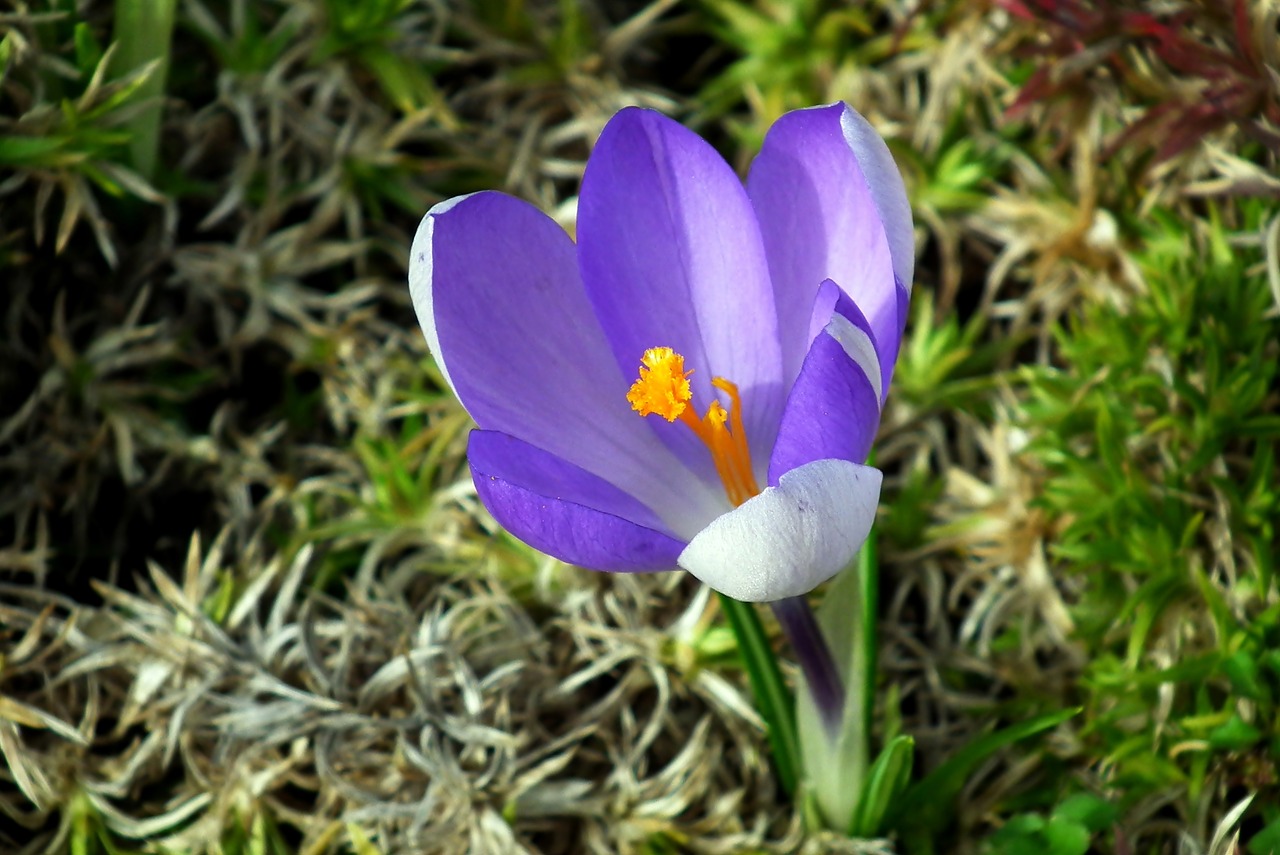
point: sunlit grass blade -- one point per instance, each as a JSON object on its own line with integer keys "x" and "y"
{"x": 143, "y": 32}
{"x": 887, "y": 779}
{"x": 865, "y": 652}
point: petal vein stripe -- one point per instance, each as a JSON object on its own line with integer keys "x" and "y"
{"x": 858, "y": 346}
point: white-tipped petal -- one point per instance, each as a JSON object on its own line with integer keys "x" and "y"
{"x": 831, "y": 205}
{"x": 884, "y": 181}
{"x": 790, "y": 538}
{"x": 496, "y": 287}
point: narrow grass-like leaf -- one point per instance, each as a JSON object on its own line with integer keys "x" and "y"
{"x": 887, "y": 779}
{"x": 926, "y": 806}
{"x": 143, "y": 31}
{"x": 773, "y": 700}
{"x": 869, "y": 604}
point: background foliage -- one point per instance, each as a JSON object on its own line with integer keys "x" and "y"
{"x": 249, "y": 602}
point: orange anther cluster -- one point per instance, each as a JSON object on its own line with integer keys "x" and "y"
{"x": 663, "y": 389}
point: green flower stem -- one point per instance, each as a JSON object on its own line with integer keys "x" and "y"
{"x": 774, "y": 701}
{"x": 814, "y": 655}
{"x": 837, "y": 763}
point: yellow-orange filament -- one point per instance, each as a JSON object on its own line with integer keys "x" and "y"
{"x": 663, "y": 389}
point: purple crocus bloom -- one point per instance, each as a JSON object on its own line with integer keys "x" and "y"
{"x": 778, "y": 307}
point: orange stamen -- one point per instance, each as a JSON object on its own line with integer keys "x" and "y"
{"x": 663, "y": 389}
{"x": 738, "y": 432}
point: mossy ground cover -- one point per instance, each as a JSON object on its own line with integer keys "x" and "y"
{"x": 249, "y": 602}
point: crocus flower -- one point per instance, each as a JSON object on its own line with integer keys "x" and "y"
{"x": 697, "y": 381}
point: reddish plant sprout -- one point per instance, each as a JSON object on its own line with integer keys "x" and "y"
{"x": 1214, "y": 57}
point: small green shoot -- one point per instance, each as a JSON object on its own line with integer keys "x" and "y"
{"x": 1069, "y": 830}
{"x": 80, "y": 145}
{"x": 926, "y": 807}
{"x": 370, "y": 32}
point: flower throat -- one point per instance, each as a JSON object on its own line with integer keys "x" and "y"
{"x": 663, "y": 389}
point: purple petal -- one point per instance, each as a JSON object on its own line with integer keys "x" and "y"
{"x": 790, "y": 538}
{"x": 831, "y": 204}
{"x": 529, "y": 467}
{"x": 496, "y": 286}
{"x": 671, "y": 256}
{"x": 565, "y": 511}
{"x": 884, "y": 181}
{"x": 834, "y": 407}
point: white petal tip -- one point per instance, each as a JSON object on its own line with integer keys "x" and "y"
{"x": 790, "y": 538}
